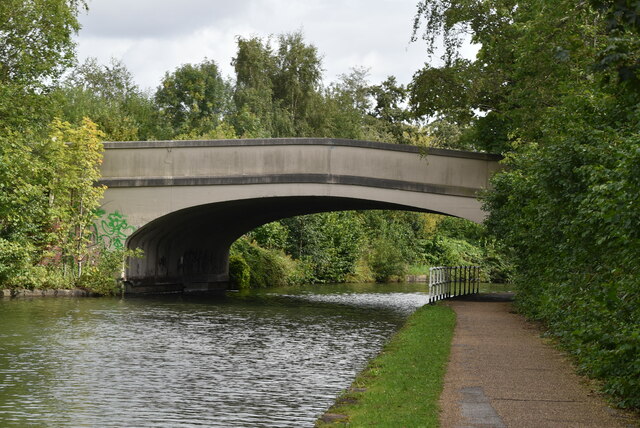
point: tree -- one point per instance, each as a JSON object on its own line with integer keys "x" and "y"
{"x": 391, "y": 113}
{"x": 36, "y": 46}
{"x": 342, "y": 109}
{"x": 622, "y": 42}
{"x": 254, "y": 66}
{"x": 329, "y": 242}
{"x": 275, "y": 88}
{"x": 297, "y": 79}
{"x": 499, "y": 96}
{"x": 553, "y": 80}
{"x": 49, "y": 202}
{"x": 109, "y": 96}
{"x": 75, "y": 156}
{"x": 194, "y": 98}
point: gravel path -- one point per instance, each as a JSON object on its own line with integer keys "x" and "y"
{"x": 502, "y": 374}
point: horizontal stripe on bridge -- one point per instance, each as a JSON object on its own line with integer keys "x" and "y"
{"x": 291, "y": 179}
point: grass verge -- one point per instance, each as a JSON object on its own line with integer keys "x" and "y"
{"x": 401, "y": 386}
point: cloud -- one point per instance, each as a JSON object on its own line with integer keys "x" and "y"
{"x": 156, "y": 18}
{"x": 156, "y": 36}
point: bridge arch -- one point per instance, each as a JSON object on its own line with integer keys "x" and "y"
{"x": 189, "y": 200}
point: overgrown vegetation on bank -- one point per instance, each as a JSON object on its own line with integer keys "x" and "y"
{"x": 558, "y": 88}
{"x": 48, "y": 167}
{"x": 362, "y": 246}
{"x": 401, "y": 386}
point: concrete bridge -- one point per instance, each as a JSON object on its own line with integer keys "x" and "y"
{"x": 185, "y": 202}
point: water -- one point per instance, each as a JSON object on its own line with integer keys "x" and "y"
{"x": 275, "y": 358}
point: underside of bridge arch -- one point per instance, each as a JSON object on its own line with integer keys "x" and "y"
{"x": 188, "y": 250}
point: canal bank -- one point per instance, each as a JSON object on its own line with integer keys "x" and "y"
{"x": 401, "y": 386}
{"x": 500, "y": 374}
{"x": 50, "y": 292}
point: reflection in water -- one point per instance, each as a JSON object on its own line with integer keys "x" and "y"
{"x": 276, "y": 358}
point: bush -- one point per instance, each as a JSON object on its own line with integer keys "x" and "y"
{"x": 567, "y": 208}
{"x": 362, "y": 272}
{"x": 15, "y": 263}
{"x": 445, "y": 251}
{"x": 271, "y": 235}
{"x": 386, "y": 261}
{"x": 239, "y": 272}
{"x": 103, "y": 276}
{"x": 269, "y": 268}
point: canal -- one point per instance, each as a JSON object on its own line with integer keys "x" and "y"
{"x": 268, "y": 358}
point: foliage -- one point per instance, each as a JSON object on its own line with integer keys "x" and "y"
{"x": 194, "y": 97}
{"x": 275, "y": 88}
{"x": 47, "y": 174}
{"x": 296, "y": 79}
{"x": 580, "y": 187}
{"x": 267, "y": 268}
{"x": 401, "y": 386}
{"x": 37, "y": 43}
{"x": 502, "y": 93}
{"x": 75, "y": 158}
{"x": 36, "y": 46}
{"x": 239, "y": 272}
{"x": 620, "y": 54}
{"x": 554, "y": 85}
{"x": 47, "y": 217}
{"x": 271, "y": 235}
{"x": 362, "y": 271}
{"x": 102, "y": 276}
{"x": 108, "y": 95}
{"x": 386, "y": 261}
{"x": 363, "y": 246}
{"x": 23, "y": 199}
{"x": 329, "y": 242}
{"x": 443, "y": 251}
{"x": 15, "y": 260}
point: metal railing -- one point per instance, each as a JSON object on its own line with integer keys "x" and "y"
{"x": 450, "y": 281}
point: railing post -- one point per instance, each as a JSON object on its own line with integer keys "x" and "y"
{"x": 467, "y": 287}
{"x": 456, "y": 278}
{"x": 430, "y": 285}
{"x": 457, "y": 282}
{"x": 472, "y": 281}
{"x": 467, "y": 279}
{"x": 475, "y": 275}
{"x": 464, "y": 279}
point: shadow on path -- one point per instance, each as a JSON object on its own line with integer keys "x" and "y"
{"x": 485, "y": 297}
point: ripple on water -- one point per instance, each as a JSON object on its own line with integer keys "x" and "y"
{"x": 276, "y": 361}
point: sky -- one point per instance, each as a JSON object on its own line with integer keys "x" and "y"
{"x": 152, "y": 37}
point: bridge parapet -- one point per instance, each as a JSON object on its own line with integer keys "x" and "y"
{"x": 178, "y": 161}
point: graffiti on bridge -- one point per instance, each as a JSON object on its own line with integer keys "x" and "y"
{"x": 112, "y": 229}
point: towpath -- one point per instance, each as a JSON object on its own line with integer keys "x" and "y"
{"x": 501, "y": 374}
